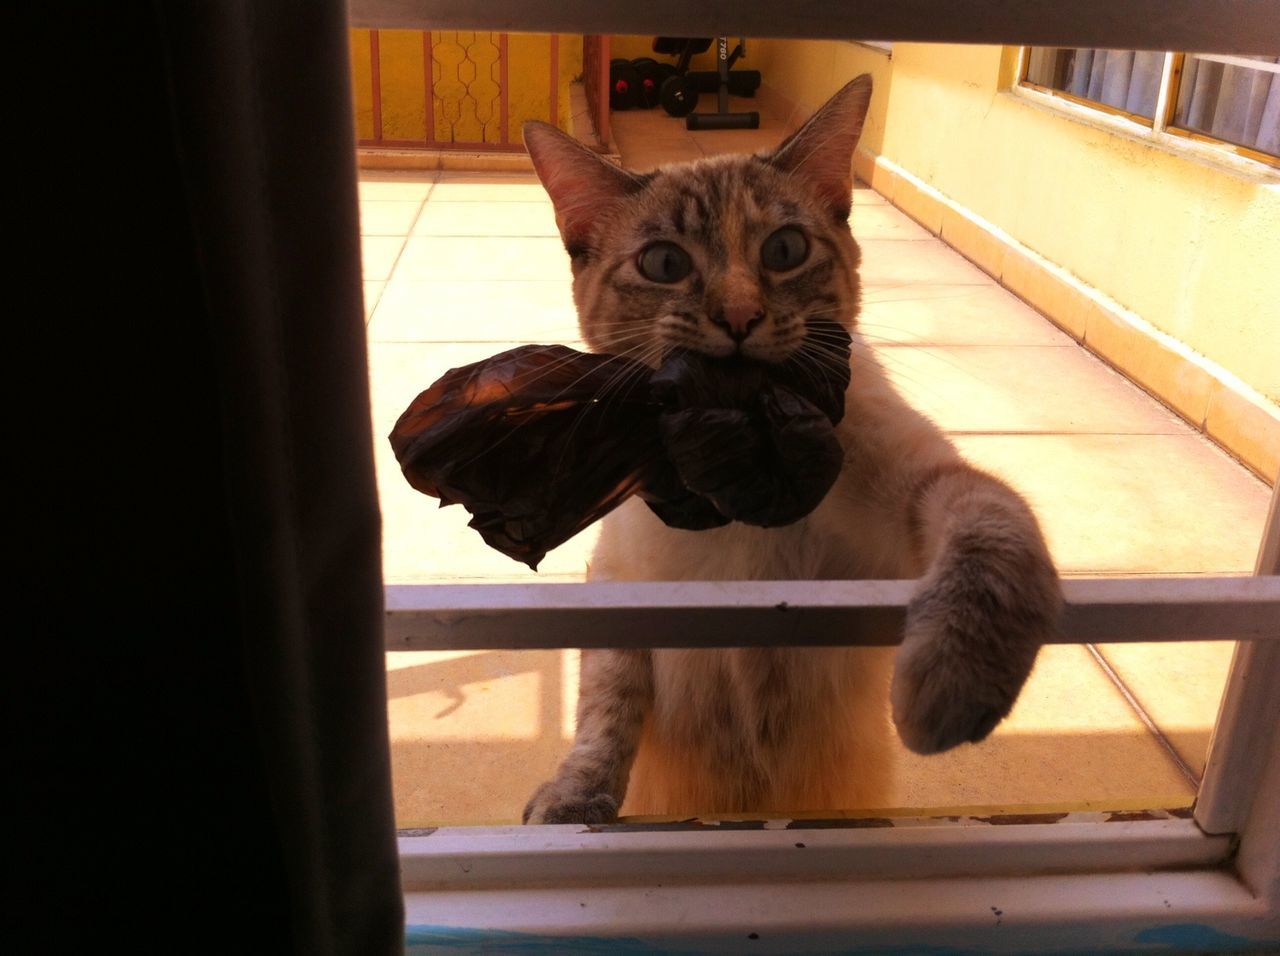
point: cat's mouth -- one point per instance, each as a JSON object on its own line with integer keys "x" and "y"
{"x": 776, "y": 342}
{"x": 817, "y": 365}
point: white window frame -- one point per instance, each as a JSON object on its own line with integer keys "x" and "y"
{"x": 1083, "y": 882}
{"x": 1161, "y": 129}
{"x": 1106, "y": 880}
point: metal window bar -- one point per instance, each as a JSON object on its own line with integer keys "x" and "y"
{"x": 799, "y": 614}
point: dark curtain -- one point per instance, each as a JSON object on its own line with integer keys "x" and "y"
{"x": 200, "y": 747}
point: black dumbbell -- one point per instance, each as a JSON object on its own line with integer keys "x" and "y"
{"x": 652, "y": 73}
{"x": 678, "y": 97}
{"x": 624, "y": 85}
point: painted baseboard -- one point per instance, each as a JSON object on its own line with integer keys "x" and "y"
{"x": 1209, "y": 397}
{"x": 368, "y": 157}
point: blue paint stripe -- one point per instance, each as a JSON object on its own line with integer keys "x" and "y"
{"x": 424, "y": 939}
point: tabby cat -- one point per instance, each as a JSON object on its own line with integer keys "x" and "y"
{"x": 737, "y": 254}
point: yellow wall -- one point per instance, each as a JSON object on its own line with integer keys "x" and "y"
{"x": 1192, "y": 247}
{"x": 465, "y": 75}
{"x": 807, "y": 72}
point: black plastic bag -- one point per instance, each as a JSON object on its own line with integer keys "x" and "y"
{"x": 539, "y": 442}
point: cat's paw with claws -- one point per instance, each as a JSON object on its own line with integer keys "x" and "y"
{"x": 966, "y": 654}
{"x": 558, "y": 802}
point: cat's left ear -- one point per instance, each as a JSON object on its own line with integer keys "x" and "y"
{"x": 821, "y": 151}
{"x": 581, "y": 183}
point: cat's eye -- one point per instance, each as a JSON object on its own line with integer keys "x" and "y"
{"x": 784, "y": 249}
{"x": 664, "y": 262}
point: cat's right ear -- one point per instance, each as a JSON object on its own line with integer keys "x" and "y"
{"x": 581, "y": 183}
{"x": 820, "y": 152}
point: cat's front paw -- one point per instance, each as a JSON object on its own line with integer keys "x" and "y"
{"x": 962, "y": 664}
{"x": 939, "y": 704}
{"x": 558, "y": 802}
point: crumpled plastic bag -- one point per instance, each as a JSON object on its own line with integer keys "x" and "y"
{"x": 540, "y": 441}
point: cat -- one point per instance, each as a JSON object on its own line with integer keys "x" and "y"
{"x": 733, "y": 254}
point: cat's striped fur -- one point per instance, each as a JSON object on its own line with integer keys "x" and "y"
{"x": 704, "y": 731}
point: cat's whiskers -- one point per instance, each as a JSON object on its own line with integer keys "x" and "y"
{"x": 679, "y": 332}
{"x": 630, "y": 375}
{"x": 811, "y": 350}
{"x": 871, "y": 347}
{"x": 805, "y": 362}
{"x": 568, "y": 359}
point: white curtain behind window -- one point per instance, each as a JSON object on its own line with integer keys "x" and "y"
{"x": 1236, "y": 103}
{"x": 1128, "y": 80}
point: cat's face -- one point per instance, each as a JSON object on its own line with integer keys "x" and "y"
{"x": 732, "y": 255}
{"x": 722, "y": 256}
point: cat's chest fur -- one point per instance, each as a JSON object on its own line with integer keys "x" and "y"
{"x": 747, "y": 727}
{"x": 635, "y": 545}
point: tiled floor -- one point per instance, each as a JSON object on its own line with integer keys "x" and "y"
{"x": 460, "y": 266}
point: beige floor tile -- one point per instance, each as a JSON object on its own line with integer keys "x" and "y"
{"x": 882, "y": 221}
{"x": 1172, "y": 504}
{"x": 381, "y": 185}
{"x": 1071, "y": 739}
{"x": 736, "y": 141}
{"x": 655, "y": 122}
{"x": 487, "y": 219}
{"x": 476, "y": 311}
{"x": 927, "y": 262}
{"x": 372, "y": 292}
{"x": 488, "y": 187}
{"x": 378, "y": 255}
{"x": 480, "y": 258}
{"x": 1179, "y": 686}
{"x": 662, "y": 131}
{"x": 380, "y": 217}
{"x": 472, "y": 734}
{"x": 646, "y": 159}
{"x": 864, "y": 195}
{"x": 954, "y": 315}
{"x": 1021, "y": 388}
{"x": 672, "y": 147}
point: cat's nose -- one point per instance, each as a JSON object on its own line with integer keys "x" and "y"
{"x": 738, "y": 319}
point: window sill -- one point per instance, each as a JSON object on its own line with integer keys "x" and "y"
{"x": 1221, "y": 158}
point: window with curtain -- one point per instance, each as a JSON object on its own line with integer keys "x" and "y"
{"x": 1124, "y": 80}
{"x": 1232, "y": 98}
{"x": 1229, "y": 100}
